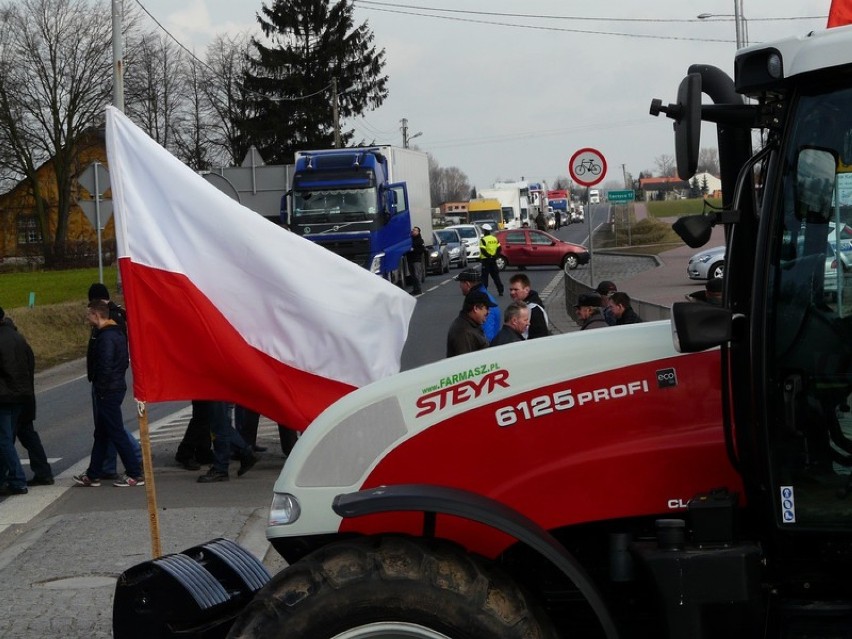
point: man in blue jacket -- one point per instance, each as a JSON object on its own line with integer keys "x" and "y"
{"x": 470, "y": 280}
{"x": 109, "y": 366}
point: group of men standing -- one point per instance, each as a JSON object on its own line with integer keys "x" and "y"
{"x": 606, "y": 306}
{"x": 479, "y": 323}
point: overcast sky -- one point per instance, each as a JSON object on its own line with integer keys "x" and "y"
{"x": 501, "y": 101}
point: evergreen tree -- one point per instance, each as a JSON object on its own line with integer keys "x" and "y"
{"x": 694, "y": 188}
{"x": 312, "y": 43}
{"x": 704, "y": 188}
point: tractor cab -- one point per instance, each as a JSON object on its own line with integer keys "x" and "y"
{"x": 786, "y": 326}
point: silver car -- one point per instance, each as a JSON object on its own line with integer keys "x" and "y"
{"x": 470, "y": 235}
{"x": 455, "y": 246}
{"x": 707, "y": 264}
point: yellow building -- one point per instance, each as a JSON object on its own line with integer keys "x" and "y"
{"x": 23, "y": 234}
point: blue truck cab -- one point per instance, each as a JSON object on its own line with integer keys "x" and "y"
{"x": 343, "y": 199}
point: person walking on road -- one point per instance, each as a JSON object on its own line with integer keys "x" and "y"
{"x": 98, "y": 291}
{"x": 30, "y": 440}
{"x": 109, "y": 367}
{"x": 465, "y": 334}
{"x": 196, "y": 447}
{"x": 226, "y": 442}
{"x": 520, "y": 290}
{"x": 469, "y": 281}
{"x": 516, "y": 320}
{"x": 489, "y": 249}
{"x": 17, "y": 370}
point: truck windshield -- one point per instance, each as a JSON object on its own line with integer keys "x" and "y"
{"x": 337, "y": 205}
{"x": 810, "y": 316}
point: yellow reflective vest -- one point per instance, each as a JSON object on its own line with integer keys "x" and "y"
{"x": 488, "y": 246}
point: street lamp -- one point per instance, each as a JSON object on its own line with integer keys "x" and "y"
{"x": 740, "y": 23}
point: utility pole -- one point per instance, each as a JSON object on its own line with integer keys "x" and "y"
{"x": 335, "y": 113}
{"x": 117, "y": 58}
{"x": 404, "y": 122}
{"x": 406, "y": 139}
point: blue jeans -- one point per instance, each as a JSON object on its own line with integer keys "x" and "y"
{"x": 109, "y": 429}
{"x": 225, "y": 438}
{"x": 9, "y": 460}
{"x": 110, "y": 465}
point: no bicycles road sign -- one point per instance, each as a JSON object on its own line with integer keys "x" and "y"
{"x": 587, "y": 167}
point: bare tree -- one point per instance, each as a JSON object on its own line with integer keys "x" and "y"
{"x": 227, "y": 63}
{"x": 447, "y": 184}
{"x": 708, "y": 161}
{"x": 154, "y": 85}
{"x": 56, "y": 61}
{"x": 665, "y": 165}
{"x": 190, "y": 139}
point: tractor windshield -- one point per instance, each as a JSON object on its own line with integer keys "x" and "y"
{"x": 334, "y": 205}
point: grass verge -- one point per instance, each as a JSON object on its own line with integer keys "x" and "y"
{"x": 55, "y": 325}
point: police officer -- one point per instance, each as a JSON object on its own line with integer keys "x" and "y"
{"x": 489, "y": 249}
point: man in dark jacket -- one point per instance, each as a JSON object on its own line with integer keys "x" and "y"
{"x": 619, "y": 303}
{"x": 416, "y": 259}
{"x": 470, "y": 280}
{"x": 117, "y": 314}
{"x": 465, "y": 334}
{"x": 17, "y": 366}
{"x": 516, "y": 320}
{"x": 520, "y": 290}
{"x": 109, "y": 366}
{"x": 588, "y": 309}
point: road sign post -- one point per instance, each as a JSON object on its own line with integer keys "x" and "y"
{"x": 588, "y": 167}
{"x": 95, "y": 179}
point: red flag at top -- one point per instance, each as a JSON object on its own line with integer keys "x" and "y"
{"x": 840, "y": 13}
{"x": 224, "y": 305}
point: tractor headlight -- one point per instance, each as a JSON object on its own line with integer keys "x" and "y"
{"x": 284, "y": 510}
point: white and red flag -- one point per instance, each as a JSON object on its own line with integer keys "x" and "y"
{"x": 224, "y": 305}
{"x": 840, "y": 13}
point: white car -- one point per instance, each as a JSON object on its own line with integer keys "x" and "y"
{"x": 470, "y": 235}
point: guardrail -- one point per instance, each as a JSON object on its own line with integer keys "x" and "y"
{"x": 648, "y": 311}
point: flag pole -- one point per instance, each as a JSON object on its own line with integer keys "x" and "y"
{"x": 150, "y": 489}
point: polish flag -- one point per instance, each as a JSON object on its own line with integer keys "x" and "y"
{"x": 224, "y": 305}
{"x": 840, "y": 13}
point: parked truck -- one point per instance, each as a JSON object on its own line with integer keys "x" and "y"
{"x": 684, "y": 479}
{"x": 362, "y": 203}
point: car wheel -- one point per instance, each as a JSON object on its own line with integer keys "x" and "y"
{"x": 502, "y": 263}
{"x": 717, "y": 270}
{"x": 569, "y": 263}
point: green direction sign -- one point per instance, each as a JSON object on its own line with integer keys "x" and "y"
{"x": 620, "y": 196}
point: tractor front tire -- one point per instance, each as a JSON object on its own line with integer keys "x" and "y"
{"x": 388, "y": 588}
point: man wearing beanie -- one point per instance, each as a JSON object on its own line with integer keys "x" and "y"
{"x": 17, "y": 367}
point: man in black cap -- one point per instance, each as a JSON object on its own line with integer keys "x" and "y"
{"x": 117, "y": 314}
{"x": 470, "y": 280}
{"x": 465, "y": 334}
{"x": 605, "y": 289}
{"x": 588, "y": 309}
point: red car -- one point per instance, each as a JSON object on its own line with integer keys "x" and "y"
{"x": 529, "y": 247}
